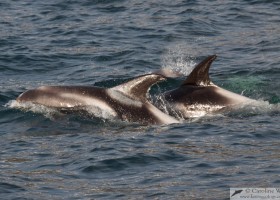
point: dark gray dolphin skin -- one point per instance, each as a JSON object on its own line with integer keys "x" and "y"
{"x": 197, "y": 95}
{"x": 126, "y": 101}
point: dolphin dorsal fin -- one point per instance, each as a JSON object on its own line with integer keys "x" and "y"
{"x": 138, "y": 87}
{"x": 200, "y": 74}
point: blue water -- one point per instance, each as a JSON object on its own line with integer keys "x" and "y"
{"x": 101, "y": 42}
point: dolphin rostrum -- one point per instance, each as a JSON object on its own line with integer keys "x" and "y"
{"x": 127, "y": 101}
{"x": 197, "y": 95}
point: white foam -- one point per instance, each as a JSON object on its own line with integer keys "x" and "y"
{"x": 36, "y": 108}
{"x": 256, "y": 107}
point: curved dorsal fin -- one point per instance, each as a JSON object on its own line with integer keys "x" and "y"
{"x": 138, "y": 87}
{"x": 200, "y": 74}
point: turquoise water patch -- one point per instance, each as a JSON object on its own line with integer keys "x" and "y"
{"x": 250, "y": 86}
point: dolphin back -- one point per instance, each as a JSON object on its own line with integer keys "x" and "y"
{"x": 138, "y": 88}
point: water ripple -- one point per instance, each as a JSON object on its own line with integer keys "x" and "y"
{"x": 104, "y": 43}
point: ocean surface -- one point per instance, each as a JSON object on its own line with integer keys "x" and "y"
{"x": 106, "y": 42}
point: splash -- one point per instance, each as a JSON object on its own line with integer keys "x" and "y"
{"x": 35, "y": 108}
{"x": 166, "y": 107}
{"x": 179, "y": 58}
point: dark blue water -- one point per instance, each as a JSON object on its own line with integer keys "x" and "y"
{"x": 100, "y": 42}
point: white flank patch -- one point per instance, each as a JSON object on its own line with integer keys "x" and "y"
{"x": 90, "y": 105}
{"x": 98, "y": 112}
{"x": 91, "y": 102}
{"x": 122, "y": 98}
{"x": 196, "y": 110}
{"x": 93, "y": 106}
{"x": 235, "y": 98}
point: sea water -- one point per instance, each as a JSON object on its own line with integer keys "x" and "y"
{"x": 104, "y": 43}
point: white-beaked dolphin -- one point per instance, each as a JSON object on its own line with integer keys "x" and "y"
{"x": 197, "y": 95}
{"x": 127, "y": 101}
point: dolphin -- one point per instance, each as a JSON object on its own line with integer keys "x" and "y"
{"x": 127, "y": 101}
{"x": 198, "y": 95}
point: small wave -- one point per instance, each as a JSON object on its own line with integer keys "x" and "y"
{"x": 36, "y": 108}
{"x": 10, "y": 188}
